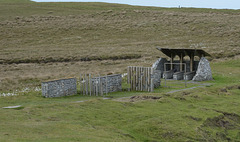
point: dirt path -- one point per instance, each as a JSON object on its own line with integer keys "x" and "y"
{"x": 184, "y": 89}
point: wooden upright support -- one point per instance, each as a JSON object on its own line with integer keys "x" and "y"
{"x": 171, "y": 61}
{"x": 181, "y": 61}
{"x": 191, "y": 62}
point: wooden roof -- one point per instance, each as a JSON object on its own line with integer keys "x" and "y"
{"x": 183, "y": 52}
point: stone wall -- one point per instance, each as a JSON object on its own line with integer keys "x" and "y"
{"x": 113, "y": 84}
{"x": 59, "y": 88}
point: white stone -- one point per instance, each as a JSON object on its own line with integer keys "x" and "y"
{"x": 204, "y": 71}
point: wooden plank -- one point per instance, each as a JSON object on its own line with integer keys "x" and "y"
{"x": 152, "y": 81}
{"x": 83, "y": 85}
{"x": 146, "y": 78}
{"x": 149, "y": 79}
{"x": 137, "y": 78}
{"x": 131, "y": 77}
{"x": 101, "y": 87}
{"x": 140, "y": 78}
{"x": 97, "y": 86}
{"x": 94, "y": 86}
{"x": 80, "y": 82}
{"x": 90, "y": 84}
{"x": 86, "y": 84}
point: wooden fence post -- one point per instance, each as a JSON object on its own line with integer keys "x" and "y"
{"x": 106, "y": 84}
{"x": 152, "y": 81}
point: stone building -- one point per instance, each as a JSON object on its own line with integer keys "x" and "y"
{"x": 189, "y": 64}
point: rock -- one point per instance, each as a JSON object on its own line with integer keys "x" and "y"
{"x": 159, "y": 64}
{"x": 13, "y": 106}
{"x": 204, "y": 71}
{"x": 157, "y": 78}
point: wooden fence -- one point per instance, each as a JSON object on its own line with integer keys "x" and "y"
{"x": 141, "y": 78}
{"x": 99, "y": 85}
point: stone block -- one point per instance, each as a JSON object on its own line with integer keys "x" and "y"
{"x": 178, "y": 75}
{"x": 59, "y": 88}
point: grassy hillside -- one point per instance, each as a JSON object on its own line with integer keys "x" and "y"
{"x": 50, "y": 39}
{"x": 42, "y": 41}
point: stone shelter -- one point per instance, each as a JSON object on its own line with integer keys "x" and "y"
{"x": 186, "y": 66}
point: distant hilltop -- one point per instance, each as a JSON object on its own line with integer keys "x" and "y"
{"x": 214, "y": 4}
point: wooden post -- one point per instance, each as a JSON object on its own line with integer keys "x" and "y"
{"x": 137, "y": 82}
{"x": 181, "y": 61}
{"x": 83, "y": 84}
{"x": 90, "y": 84}
{"x": 93, "y": 85}
{"x": 80, "y": 82}
{"x": 128, "y": 77}
{"x": 134, "y": 78}
{"x": 191, "y": 62}
{"x": 171, "y": 61}
{"x": 86, "y": 84}
{"x": 99, "y": 84}
{"x": 101, "y": 87}
{"x": 146, "y": 78}
{"x": 152, "y": 81}
{"x": 141, "y": 78}
{"x": 131, "y": 79}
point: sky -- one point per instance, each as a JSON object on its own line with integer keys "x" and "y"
{"x": 216, "y": 4}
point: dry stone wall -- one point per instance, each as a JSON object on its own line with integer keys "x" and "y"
{"x": 113, "y": 83}
{"x": 59, "y": 88}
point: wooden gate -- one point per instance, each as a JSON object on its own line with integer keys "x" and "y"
{"x": 99, "y": 85}
{"x": 140, "y": 78}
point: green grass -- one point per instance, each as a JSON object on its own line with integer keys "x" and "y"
{"x": 42, "y": 41}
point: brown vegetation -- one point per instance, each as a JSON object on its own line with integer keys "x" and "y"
{"x": 50, "y": 40}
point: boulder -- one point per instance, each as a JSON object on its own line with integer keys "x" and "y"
{"x": 204, "y": 71}
{"x": 159, "y": 64}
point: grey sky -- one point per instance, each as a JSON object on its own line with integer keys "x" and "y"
{"x": 218, "y": 4}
